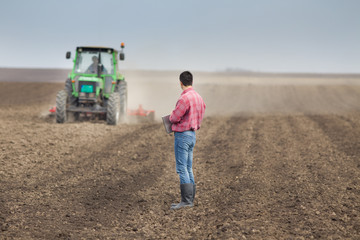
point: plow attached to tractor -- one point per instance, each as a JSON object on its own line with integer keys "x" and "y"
{"x": 139, "y": 114}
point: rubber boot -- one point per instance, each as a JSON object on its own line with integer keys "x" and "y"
{"x": 193, "y": 196}
{"x": 186, "y": 196}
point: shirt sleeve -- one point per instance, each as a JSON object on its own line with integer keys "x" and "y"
{"x": 179, "y": 111}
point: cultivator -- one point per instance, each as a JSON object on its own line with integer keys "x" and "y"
{"x": 139, "y": 114}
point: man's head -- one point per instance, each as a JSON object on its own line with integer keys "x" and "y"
{"x": 95, "y": 59}
{"x": 186, "y": 78}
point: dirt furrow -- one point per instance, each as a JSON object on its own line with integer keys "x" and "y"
{"x": 281, "y": 187}
{"x": 221, "y": 163}
{"x": 305, "y": 197}
{"x": 342, "y": 131}
{"x": 86, "y": 185}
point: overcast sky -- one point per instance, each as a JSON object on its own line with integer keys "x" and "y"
{"x": 206, "y": 35}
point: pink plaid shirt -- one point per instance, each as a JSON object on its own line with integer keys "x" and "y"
{"x": 189, "y": 111}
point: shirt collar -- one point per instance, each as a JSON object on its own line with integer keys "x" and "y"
{"x": 186, "y": 90}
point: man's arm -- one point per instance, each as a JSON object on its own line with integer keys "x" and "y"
{"x": 179, "y": 111}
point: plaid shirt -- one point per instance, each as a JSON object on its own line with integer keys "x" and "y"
{"x": 189, "y": 111}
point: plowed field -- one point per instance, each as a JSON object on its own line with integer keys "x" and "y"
{"x": 277, "y": 157}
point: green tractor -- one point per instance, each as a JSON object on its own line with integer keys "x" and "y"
{"x": 95, "y": 87}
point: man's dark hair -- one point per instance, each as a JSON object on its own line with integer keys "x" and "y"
{"x": 186, "y": 78}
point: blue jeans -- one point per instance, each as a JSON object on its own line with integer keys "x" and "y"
{"x": 184, "y": 146}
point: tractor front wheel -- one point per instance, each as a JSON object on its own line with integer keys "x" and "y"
{"x": 61, "y": 99}
{"x": 113, "y": 109}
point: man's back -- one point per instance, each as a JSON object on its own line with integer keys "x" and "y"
{"x": 189, "y": 111}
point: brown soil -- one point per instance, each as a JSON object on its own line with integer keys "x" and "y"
{"x": 280, "y": 162}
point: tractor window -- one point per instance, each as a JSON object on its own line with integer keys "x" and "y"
{"x": 107, "y": 61}
{"x": 87, "y": 62}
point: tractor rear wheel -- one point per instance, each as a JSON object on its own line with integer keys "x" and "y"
{"x": 61, "y": 100}
{"x": 113, "y": 109}
{"x": 123, "y": 100}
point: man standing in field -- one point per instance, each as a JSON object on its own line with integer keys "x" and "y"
{"x": 186, "y": 119}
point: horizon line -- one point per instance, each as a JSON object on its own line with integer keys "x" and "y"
{"x": 226, "y": 71}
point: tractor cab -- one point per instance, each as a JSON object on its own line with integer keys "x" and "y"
{"x": 93, "y": 61}
{"x": 89, "y": 59}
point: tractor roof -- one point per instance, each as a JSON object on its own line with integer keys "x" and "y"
{"x": 99, "y": 48}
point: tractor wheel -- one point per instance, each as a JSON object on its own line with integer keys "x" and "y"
{"x": 113, "y": 109}
{"x": 123, "y": 100}
{"x": 61, "y": 100}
